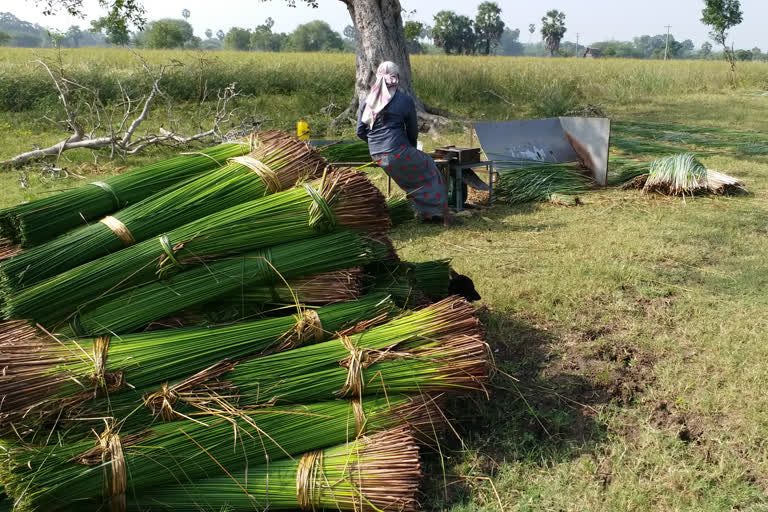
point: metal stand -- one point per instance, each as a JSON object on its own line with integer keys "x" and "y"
{"x": 458, "y": 170}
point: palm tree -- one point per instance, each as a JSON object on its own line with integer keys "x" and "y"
{"x": 552, "y": 30}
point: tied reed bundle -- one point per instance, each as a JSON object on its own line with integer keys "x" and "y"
{"x": 42, "y": 220}
{"x": 277, "y": 162}
{"x": 343, "y": 199}
{"x": 183, "y": 452}
{"x": 138, "y": 307}
{"x": 370, "y": 474}
{"x": 677, "y": 175}
{"x": 438, "y": 348}
{"x": 346, "y": 152}
{"x": 43, "y": 375}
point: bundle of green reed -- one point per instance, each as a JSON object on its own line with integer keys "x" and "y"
{"x": 38, "y": 221}
{"x": 677, "y": 175}
{"x": 326, "y": 288}
{"x": 344, "y": 199}
{"x": 370, "y": 474}
{"x": 103, "y": 473}
{"x": 133, "y": 309}
{"x": 43, "y": 375}
{"x": 413, "y": 283}
{"x": 683, "y": 174}
{"x": 538, "y": 181}
{"x": 277, "y": 162}
{"x": 435, "y": 349}
{"x": 346, "y": 152}
{"x": 400, "y": 210}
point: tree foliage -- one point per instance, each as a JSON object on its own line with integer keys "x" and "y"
{"x": 453, "y": 33}
{"x": 220, "y": 35}
{"x": 167, "y": 33}
{"x": 238, "y": 39}
{"x": 4, "y": 38}
{"x": 315, "y": 36}
{"x": 264, "y": 40}
{"x": 510, "y": 43}
{"x": 114, "y": 28}
{"x": 552, "y": 30}
{"x": 208, "y": 33}
{"x": 489, "y": 26}
{"x": 706, "y": 49}
{"x": 721, "y": 16}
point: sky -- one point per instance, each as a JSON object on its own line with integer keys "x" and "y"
{"x": 593, "y": 20}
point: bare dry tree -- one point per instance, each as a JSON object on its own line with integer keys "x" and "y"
{"x": 115, "y": 126}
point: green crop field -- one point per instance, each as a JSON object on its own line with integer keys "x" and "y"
{"x": 629, "y": 333}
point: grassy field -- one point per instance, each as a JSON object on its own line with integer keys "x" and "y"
{"x": 634, "y": 326}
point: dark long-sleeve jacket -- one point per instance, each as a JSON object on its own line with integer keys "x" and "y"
{"x": 396, "y": 126}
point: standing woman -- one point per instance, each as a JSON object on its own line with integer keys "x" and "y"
{"x": 388, "y": 123}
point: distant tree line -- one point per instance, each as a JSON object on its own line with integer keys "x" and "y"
{"x": 451, "y": 33}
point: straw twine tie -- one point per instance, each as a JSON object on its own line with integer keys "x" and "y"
{"x": 308, "y": 327}
{"x": 119, "y": 229}
{"x": 107, "y": 381}
{"x": 308, "y": 480}
{"x": 360, "y": 359}
{"x": 108, "y": 453}
{"x": 269, "y": 177}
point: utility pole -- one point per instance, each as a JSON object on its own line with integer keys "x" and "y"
{"x": 577, "y": 44}
{"x": 666, "y": 48}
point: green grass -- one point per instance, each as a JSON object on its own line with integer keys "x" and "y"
{"x": 635, "y": 324}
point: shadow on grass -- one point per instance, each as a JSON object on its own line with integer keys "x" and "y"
{"x": 549, "y": 415}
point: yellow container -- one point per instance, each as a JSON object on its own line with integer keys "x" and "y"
{"x": 302, "y": 130}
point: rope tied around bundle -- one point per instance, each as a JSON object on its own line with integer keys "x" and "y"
{"x": 308, "y": 327}
{"x": 321, "y": 214}
{"x": 308, "y": 480}
{"x": 119, "y": 229}
{"x": 361, "y": 359}
{"x": 168, "y": 261}
{"x": 106, "y": 381}
{"x": 359, "y": 415}
{"x": 108, "y": 453}
{"x": 269, "y": 177}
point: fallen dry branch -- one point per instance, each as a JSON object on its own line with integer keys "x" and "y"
{"x": 118, "y": 130}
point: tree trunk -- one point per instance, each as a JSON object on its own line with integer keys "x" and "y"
{"x": 380, "y": 37}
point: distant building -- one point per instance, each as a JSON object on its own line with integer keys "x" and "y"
{"x": 593, "y": 53}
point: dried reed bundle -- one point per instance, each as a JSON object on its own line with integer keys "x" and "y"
{"x": 277, "y": 162}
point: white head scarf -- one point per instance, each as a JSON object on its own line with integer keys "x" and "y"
{"x": 387, "y": 80}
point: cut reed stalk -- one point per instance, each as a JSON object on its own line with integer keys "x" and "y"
{"x": 438, "y": 348}
{"x": 344, "y": 199}
{"x": 127, "y": 311}
{"x": 537, "y": 182}
{"x": 413, "y": 283}
{"x": 39, "y": 221}
{"x": 180, "y": 453}
{"x": 42, "y": 375}
{"x": 277, "y": 162}
{"x": 370, "y": 474}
